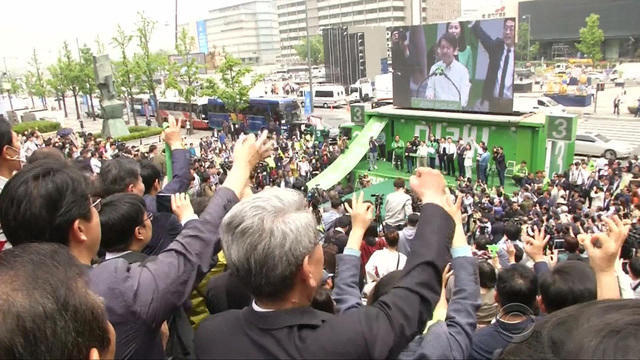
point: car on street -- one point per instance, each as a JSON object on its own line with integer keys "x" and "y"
{"x": 596, "y": 76}
{"x": 595, "y": 144}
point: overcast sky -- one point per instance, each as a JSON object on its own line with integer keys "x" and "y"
{"x": 45, "y": 24}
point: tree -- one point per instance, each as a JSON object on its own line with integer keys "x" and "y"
{"x": 232, "y": 91}
{"x": 147, "y": 65}
{"x": 58, "y": 85}
{"x": 184, "y": 76}
{"x": 88, "y": 85}
{"x": 524, "y": 41}
{"x": 15, "y": 87}
{"x": 39, "y": 82}
{"x": 29, "y": 86}
{"x": 72, "y": 74}
{"x": 124, "y": 78}
{"x": 591, "y": 38}
{"x": 317, "y": 49}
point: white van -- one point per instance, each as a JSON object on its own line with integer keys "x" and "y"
{"x": 361, "y": 91}
{"x": 630, "y": 72}
{"x": 539, "y": 104}
{"x": 325, "y": 96}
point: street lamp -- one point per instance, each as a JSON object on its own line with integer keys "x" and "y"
{"x": 528, "y": 35}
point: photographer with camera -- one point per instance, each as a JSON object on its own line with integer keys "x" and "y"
{"x": 398, "y": 207}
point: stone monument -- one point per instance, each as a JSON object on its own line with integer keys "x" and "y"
{"x": 112, "y": 107}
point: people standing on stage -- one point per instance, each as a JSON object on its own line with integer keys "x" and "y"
{"x": 423, "y": 154}
{"x": 397, "y": 146}
{"x": 442, "y": 155}
{"x": 433, "y": 146}
{"x": 468, "y": 157}
{"x": 410, "y": 154}
{"x": 373, "y": 153}
{"x": 501, "y": 166}
{"x": 451, "y": 155}
{"x": 460, "y": 150}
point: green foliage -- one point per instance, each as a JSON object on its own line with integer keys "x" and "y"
{"x": 140, "y": 133}
{"x": 15, "y": 86}
{"x": 524, "y": 41}
{"x": 146, "y": 64}
{"x": 232, "y": 89}
{"x": 42, "y": 126}
{"x": 38, "y": 84}
{"x": 124, "y": 80}
{"x": 317, "y": 49}
{"x": 56, "y": 83}
{"x": 591, "y": 38}
{"x": 88, "y": 85}
{"x": 100, "y": 49}
{"x": 184, "y": 77}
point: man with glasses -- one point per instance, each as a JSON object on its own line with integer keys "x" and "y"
{"x": 140, "y": 296}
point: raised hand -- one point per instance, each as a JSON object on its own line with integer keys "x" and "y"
{"x": 361, "y": 212}
{"x": 534, "y": 246}
{"x": 181, "y": 206}
{"x": 604, "y": 248}
{"x": 171, "y": 135}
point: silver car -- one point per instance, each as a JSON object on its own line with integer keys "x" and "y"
{"x": 595, "y": 144}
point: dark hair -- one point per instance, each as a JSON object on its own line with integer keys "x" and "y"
{"x": 199, "y": 204}
{"x": 322, "y": 300}
{"x": 487, "y": 275}
{"x": 452, "y": 40}
{"x": 391, "y": 237}
{"x": 517, "y": 284}
{"x": 384, "y": 285}
{"x": 149, "y": 173}
{"x": 605, "y": 329}
{"x": 482, "y": 242}
{"x": 117, "y": 174}
{"x": 412, "y": 219}
{"x": 462, "y": 42}
{"x": 398, "y": 183}
{"x": 336, "y": 203}
{"x": 571, "y": 244}
{"x": 48, "y": 310}
{"x": 512, "y": 231}
{"x": 634, "y": 266}
{"x": 120, "y": 214}
{"x": 343, "y": 221}
{"x": 6, "y": 134}
{"x": 152, "y": 148}
{"x": 568, "y": 283}
{"x": 42, "y": 201}
{"x": 46, "y": 153}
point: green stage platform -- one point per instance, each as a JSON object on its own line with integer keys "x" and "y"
{"x": 385, "y": 172}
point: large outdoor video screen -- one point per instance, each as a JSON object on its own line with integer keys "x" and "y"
{"x": 464, "y": 66}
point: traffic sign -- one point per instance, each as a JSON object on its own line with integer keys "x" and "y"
{"x": 307, "y": 103}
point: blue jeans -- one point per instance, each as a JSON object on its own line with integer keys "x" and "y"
{"x": 373, "y": 157}
{"x": 432, "y": 162}
{"x": 410, "y": 164}
{"x": 501, "y": 176}
{"x": 482, "y": 173}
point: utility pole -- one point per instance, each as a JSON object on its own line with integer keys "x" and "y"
{"x": 176, "y": 37}
{"x": 528, "y": 35}
{"x": 306, "y": 12}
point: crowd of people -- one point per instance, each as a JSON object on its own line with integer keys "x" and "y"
{"x": 101, "y": 255}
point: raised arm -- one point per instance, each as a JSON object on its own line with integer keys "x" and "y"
{"x": 166, "y": 281}
{"x": 346, "y": 292}
{"x": 179, "y": 159}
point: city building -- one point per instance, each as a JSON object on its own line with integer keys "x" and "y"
{"x": 247, "y": 30}
{"x": 556, "y": 25}
{"x": 324, "y": 14}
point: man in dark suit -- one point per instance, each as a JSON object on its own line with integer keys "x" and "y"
{"x": 138, "y": 296}
{"x": 284, "y": 276}
{"x": 497, "y": 91}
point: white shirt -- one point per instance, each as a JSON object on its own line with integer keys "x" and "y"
{"x": 440, "y": 88}
{"x": 397, "y": 208}
{"x": 95, "y": 165}
{"x": 111, "y": 255}
{"x": 423, "y": 151}
{"x": 508, "y": 80}
{"x": 468, "y": 158}
{"x": 383, "y": 262}
{"x": 452, "y": 149}
{"x": 29, "y": 147}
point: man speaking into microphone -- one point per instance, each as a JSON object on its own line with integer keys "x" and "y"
{"x": 448, "y": 79}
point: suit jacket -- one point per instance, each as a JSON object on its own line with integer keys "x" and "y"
{"x": 166, "y": 226}
{"x": 495, "y": 48}
{"x": 378, "y": 331}
{"x": 140, "y": 297}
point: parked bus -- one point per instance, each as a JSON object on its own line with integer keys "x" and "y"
{"x": 138, "y": 106}
{"x": 258, "y": 115}
{"x": 180, "y": 110}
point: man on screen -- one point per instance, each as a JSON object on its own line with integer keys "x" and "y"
{"x": 497, "y": 93}
{"x": 448, "y": 79}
